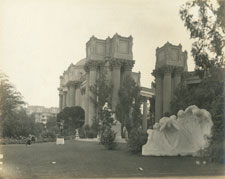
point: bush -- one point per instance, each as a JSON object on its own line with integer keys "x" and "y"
{"x": 137, "y": 138}
{"x": 91, "y": 134}
{"x": 48, "y": 134}
{"x": 81, "y": 132}
{"x": 12, "y": 141}
{"x": 108, "y": 138}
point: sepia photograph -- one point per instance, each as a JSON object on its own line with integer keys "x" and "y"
{"x": 112, "y": 89}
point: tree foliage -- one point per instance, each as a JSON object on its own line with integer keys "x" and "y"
{"x": 204, "y": 23}
{"x": 14, "y": 120}
{"x": 128, "y": 109}
{"x": 10, "y": 98}
{"x": 207, "y": 95}
{"x": 102, "y": 90}
{"x": 72, "y": 118}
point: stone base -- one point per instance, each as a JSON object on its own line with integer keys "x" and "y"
{"x": 60, "y": 141}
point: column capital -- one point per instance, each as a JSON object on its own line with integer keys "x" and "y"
{"x": 92, "y": 65}
{"x": 157, "y": 73}
{"x": 73, "y": 83}
{"x": 115, "y": 63}
{"x": 144, "y": 98}
{"x": 167, "y": 70}
{"x": 178, "y": 71}
{"x": 128, "y": 65}
{"x": 65, "y": 89}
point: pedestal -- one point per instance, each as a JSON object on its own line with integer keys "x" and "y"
{"x": 59, "y": 141}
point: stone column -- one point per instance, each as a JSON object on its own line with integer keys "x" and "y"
{"x": 128, "y": 65}
{"x": 92, "y": 81}
{"x": 68, "y": 98}
{"x": 76, "y": 96}
{"x": 116, "y": 66}
{"x": 167, "y": 90}
{"x": 158, "y": 96}
{"x": 71, "y": 95}
{"x": 86, "y": 101}
{"x": 144, "y": 120}
{"x": 60, "y": 101}
{"x": 177, "y": 77}
{"x": 64, "y": 99}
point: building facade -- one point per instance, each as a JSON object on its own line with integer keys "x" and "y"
{"x": 41, "y": 113}
{"x": 114, "y": 55}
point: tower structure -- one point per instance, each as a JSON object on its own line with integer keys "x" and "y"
{"x": 171, "y": 62}
{"x": 115, "y": 55}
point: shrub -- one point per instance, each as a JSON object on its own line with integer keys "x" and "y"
{"x": 137, "y": 138}
{"x": 91, "y": 134}
{"x": 48, "y": 134}
{"x": 81, "y": 132}
{"x": 108, "y": 138}
{"x": 12, "y": 141}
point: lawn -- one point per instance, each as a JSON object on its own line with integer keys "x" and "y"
{"x": 78, "y": 159}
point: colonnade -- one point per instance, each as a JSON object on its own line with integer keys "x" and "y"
{"x": 118, "y": 67}
{"x": 69, "y": 95}
{"x": 167, "y": 79}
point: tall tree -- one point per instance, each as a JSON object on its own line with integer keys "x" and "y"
{"x": 204, "y": 22}
{"x": 102, "y": 91}
{"x": 71, "y": 118}
{"x": 206, "y": 25}
{"x": 128, "y": 109}
{"x": 10, "y": 98}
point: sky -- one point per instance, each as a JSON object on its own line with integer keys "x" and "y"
{"x": 41, "y": 38}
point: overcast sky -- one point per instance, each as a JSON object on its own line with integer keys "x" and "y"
{"x": 41, "y": 38}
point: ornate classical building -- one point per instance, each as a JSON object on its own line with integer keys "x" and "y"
{"x": 115, "y": 55}
{"x": 171, "y": 64}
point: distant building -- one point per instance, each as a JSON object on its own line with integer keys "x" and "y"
{"x": 41, "y": 113}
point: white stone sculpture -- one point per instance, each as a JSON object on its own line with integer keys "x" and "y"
{"x": 183, "y": 135}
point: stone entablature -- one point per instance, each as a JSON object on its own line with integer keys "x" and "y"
{"x": 171, "y": 55}
{"x": 117, "y": 47}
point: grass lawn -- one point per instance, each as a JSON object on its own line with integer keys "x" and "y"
{"x": 78, "y": 159}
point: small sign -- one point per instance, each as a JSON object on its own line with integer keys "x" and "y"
{"x": 60, "y": 141}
